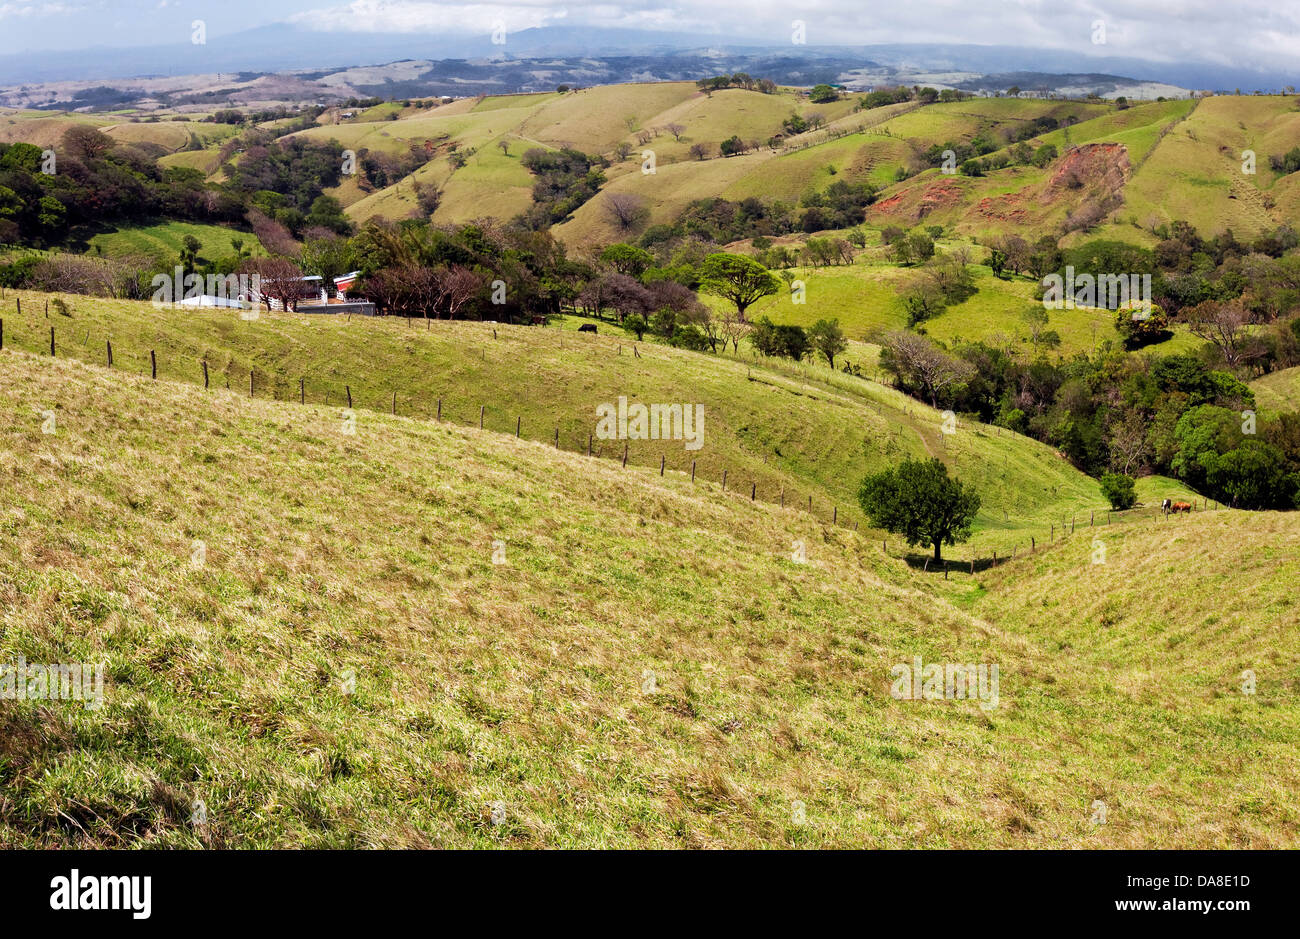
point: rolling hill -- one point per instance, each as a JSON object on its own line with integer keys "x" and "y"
{"x": 785, "y": 432}
{"x": 305, "y": 631}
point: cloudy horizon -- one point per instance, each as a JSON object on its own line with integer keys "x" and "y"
{"x": 1252, "y": 34}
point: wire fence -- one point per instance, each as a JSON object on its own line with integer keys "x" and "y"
{"x": 55, "y": 338}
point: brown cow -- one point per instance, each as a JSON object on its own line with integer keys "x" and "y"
{"x": 1181, "y": 507}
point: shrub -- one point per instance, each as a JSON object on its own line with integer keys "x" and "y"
{"x": 1118, "y": 490}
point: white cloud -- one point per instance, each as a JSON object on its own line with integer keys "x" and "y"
{"x": 31, "y": 9}
{"x": 1244, "y": 32}
{"x": 418, "y": 16}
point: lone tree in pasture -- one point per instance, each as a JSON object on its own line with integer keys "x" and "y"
{"x": 828, "y": 339}
{"x": 918, "y": 500}
{"x": 737, "y": 279}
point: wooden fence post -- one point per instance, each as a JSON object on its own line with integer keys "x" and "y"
{"x": 51, "y": 340}
{"x": 519, "y": 423}
{"x": 302, "y": 391}
{"x": 724, "y": 480}
{"x": 394, "y": 402}
{"x": 482, "y": 409}
{"x": 835, "y": 515}
{"x": 809, "y": 503}
{"x": 2, "y": 334}
{"x": 205, "y": 374}
{"x": 753, "y": 491}
{"x": 250, "y": 383}
{"x": 557, "y": 438}
{"x": 349, "y": 391}
{"x": 109, "y": 343}
{"x": 624, "y": 454}
{"x": 662, "y": 461}
{"x": 440, "y": 414}
{"x": 692, "y": 471}
{"x": 153, "y": 364}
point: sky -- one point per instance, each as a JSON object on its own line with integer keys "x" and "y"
{"x": 1237, "y": 33}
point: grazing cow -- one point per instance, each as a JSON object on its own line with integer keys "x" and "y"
{"x": 587, "y": 328}
{"x": 1164, "y": 506}
{"x": 1181, "y": 507}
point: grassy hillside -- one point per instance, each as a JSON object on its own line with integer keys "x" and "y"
{"x": 805, "y": 430}
{"x": 163, "y": 240}
{"x": 864, "y": 297}
{"x": 174, "y": 135}
{"x": 340, "y": 663}
{"x": 1278, "y": 391}
{"x": 1195, "y": 173}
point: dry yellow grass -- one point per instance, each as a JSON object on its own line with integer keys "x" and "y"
{"x": 648, "y": 667}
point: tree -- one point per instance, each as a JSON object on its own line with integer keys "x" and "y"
{"x": 997, "y": 261}
{"x": 457, "y": 286}
{"x": 87, "y": 143}
{"x": 918, "y": 500}
{"x": 279, "y": 279}
{"x": 732, "y": 145}
{"x": 636, "y": 323}
{"x": 921, "y": 300}
{"x": 675, "y": 129}
{"x": 189, "y": 252}
{"x": 828, "y": 339}
{"x": 327, "y": 212}
{"x": 1036, "y": 318}
{"x": 625, "y": 208}
{"x": 627, "y": 259}
{"x": 1140, "y": 327}
{"x": 1253, "y": 476}
{"x": 788, "y": 341}
{"x": 733, "y": 328}
{"x": 1227, "y": 326}
{"x": 823, "y": 94}
{"x": 1118, "y": 490}
{"x": 738, "y": 279}
{"x": 921, "y": 366}
{"x": 1128, "y": 442}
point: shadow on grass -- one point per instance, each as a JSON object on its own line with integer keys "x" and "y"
{"x": 928, "y": 565}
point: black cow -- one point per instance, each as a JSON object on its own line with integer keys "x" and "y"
{"x": 587, "y": 328}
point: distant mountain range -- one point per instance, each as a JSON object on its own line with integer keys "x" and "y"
{"x": 590, "y": 55}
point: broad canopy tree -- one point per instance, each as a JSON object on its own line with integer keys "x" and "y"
{"x": 918, "y": 500}
{"x": 740, "y": 280}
